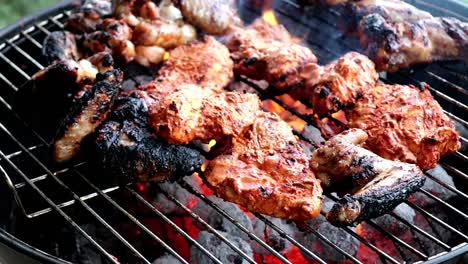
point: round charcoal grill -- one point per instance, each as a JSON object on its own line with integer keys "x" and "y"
{"x": 61, "y": 213}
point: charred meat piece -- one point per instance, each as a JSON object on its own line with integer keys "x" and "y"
{"x": 267, "y": 171}
{"x": 103, "y": 61}
{"x": 376, "y": 184}
{"x": 264, "y": 51}
{"x": 191, "y": 113}
{"x": 88, "y": 16}
{"x": 50, "y": 91}
{"x": 213, "y": 17}
{"x": 86, "y": 114}
{"x": 128, "y": 151}
{"x": 396, "y": 45}
{"x": 60, "y": 45}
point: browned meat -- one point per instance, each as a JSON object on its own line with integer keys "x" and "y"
{"x": 213, "y": 17}
{"x": 88, "y": 16}
{"x": 191, "y": 113}
{"x": 264, "y": 51}
{"x": 376, "y": 184}
{"x": 266, "y": 171}
{"x": 205, "y": 63}
{"x": 396, "y": 45}
{"x": 404, "y": 123}
{"x": 339, "y": 84}
{"x": 60, "y": 45}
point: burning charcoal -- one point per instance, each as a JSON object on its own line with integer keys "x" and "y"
{"x": 270, "y": 236}
{"x": 219, "y": 222}
{"x": 220, "y": 249}
{"x": 166, "y": 259}
{"x": 336, "y": 235}
{"x": 435, "y": 188}
{"x": 394, "y": 225}
{"x": 162, "y": 203}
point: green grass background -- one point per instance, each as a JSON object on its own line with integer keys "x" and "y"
{"x": 12, "y": 10}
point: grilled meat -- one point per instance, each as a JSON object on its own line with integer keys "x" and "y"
{"x": 339, "y": 84}
{"x": 85, "y": 115}
{"x": 377, "y": 185}
{"x": 396, "y": 45}
{"x": 266, "y": 171}
{"x": 394, "y": 11}
{"x": 264, "y": 51}
{"x": 404, "y": 123}
{"x": 191, "y": 113}
{"x": 213, "y": 17}
{"x": 127, "y": 150}
{"x": 88, "y": 16}
{"x": 60, "y": 45}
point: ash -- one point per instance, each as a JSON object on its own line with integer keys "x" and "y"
{"x": 162, "y": 203}
{"x": 219, "y": 249}
{"x": 336, "y": 235}
{"x": 221, "y": 223}
{"x": 394, "y": 225}
{"x": 270, "y": 236}
{"x": 166, "y": 259}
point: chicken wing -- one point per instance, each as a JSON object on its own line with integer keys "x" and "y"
{"x": 264, "y": 51}
{"x": 376, "y": 184}
{"x": 266, "y": 171}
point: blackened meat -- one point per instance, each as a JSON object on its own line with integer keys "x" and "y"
{"x": 58, "y": 46}
{"x": 376, "y": 184}
{"x": 86, "y": 114}
{"x": 127, "y": 150}
{"x": 89, "y": 16}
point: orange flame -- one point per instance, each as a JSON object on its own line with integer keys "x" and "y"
{"x": 269, "y": 16}
{"x": 166, "y": 55}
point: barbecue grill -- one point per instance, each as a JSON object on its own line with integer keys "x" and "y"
{"x": 59, "y": 213}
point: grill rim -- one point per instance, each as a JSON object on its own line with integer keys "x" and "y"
{"x": 47, "y": 14}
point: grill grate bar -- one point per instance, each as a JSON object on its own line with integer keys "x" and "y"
{"x": 144, "y": 228}
{"x": 210, "y": 228}
{"x": 435, "y": 198}
{"x": 45, "y": 176}
{"x": 419, "y": 230}
{"x": 447, "y": 186}
{"x": 31, "y": 39}
{"x": 59, "y": 211}
{"x": 435, "y": 219}
{"x": 167, "y": 220}
{"x": 19, "y": 152}
{"x": 75, "y": 196}
{"x": 14, "y": 66}
{"x": 252, "y": 236}
{"x": 454, "y": 170}
{"x": 26, "y": 55}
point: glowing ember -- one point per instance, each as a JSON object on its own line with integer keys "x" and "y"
{"x": 166, "y": 55}
{"x": 269, "y": 16}
{"x": 212, "y": 143}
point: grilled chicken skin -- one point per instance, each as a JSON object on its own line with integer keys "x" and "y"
{"x": 128, "y": 151}
{"x": 396, "y": 45}
{"x": 267, "y": 52}
{"x": 266, "y": 171}
{"x": 60, "y": 45}
{"x": 376, "y": 184}
{"x": 86, "y": 114}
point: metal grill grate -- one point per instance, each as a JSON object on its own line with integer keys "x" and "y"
{"x": 44, "y": 188}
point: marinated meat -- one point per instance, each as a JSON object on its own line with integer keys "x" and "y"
{"x": 267, "y": 52}
{"x": 267, "y": 171}
{"x": 376, "y": 185}
{"x": 191, "y": 113}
